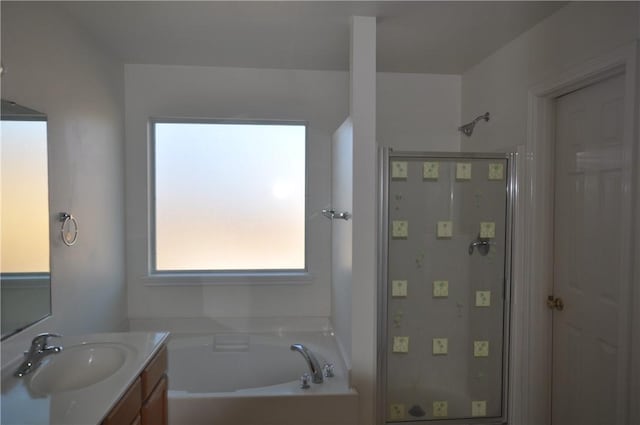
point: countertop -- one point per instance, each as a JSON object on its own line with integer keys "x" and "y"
{"x": 86, "y": 406}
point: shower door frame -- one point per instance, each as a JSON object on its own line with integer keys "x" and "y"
{"x": 385, "y": 155}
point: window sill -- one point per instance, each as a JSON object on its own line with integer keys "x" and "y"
{"x": 205, "y": 279}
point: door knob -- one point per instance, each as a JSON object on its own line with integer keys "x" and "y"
{"x": 553, "y": 302}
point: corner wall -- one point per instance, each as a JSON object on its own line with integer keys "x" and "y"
{"x": 318, "y": 97}
{"x": 362, "y": 108}
{"x": 499, "y": 84}
{"x": 54, "y": 67}
{"x": 418, "y": 112}
{"x": 577, "y": 33}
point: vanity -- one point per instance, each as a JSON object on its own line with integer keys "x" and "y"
{"x": 101, "y": 379}
{"x": 145, "y": 402}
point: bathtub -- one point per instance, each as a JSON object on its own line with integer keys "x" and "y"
{"x": 253, "y": 379}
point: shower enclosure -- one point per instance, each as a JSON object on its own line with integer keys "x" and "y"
{"x": 444, "y": 287}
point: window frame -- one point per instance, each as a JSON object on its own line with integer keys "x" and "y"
{"x": 241, "y": 276}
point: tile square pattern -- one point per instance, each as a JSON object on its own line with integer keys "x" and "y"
{"x": 399, "y": 288}
{"x": 440, "y": 409}
{"x": 396, "y": 411}
{"x": 445, "y": 229}
{"x": 430, "y": 170}
{"x": 440, "y": 346}
{"x": 481, "y": 348}
{"x": 440, "y": 288}
{"x": 399, "y": 170}
{"x": 463, "y": 171}
{"x": 478, "y": 408}
{"x": 400, "y": 229}
{"x": 483, "y": 298}
{"x": 496, "y": 172}
{"x": 400, "y": 344}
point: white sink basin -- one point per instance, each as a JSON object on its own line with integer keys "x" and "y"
{"x": 79, "y": 385}
{"x": 77, "y": 367}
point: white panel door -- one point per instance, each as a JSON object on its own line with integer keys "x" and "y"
{"x": 590, "y": 337}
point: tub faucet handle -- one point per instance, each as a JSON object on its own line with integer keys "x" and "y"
{"x": 328, "y": 370}
{"x": 304, "y": 381}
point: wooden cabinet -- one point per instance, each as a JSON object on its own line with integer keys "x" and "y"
{"x": 145, "y": 402}
{"x": 154, "y": 391}
{"x": 155, "y": 409}
{"x": 128, "y": 408}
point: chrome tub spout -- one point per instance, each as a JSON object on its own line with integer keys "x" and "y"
{"x": 312, "y": 362}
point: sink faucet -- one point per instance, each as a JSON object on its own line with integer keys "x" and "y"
{"x": 39, "y": 350}
{"x": 312, "y": 362}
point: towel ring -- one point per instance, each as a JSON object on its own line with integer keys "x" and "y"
{"x": 68, "y": 237}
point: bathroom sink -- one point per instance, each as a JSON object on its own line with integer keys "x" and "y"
{"x": 77, "y": 367}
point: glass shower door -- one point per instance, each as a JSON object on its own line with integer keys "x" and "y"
{"x": 445, "y": 287}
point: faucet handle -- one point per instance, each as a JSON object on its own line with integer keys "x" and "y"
{"x": 304, "y": 381}
{"x": 40, "y": 341}
{"x": 327, "y": 369}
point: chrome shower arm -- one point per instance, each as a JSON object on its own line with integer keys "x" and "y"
{"x": 467, "y": 129}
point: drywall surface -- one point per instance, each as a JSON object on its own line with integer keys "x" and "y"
{"x": 499, "y": 84}
{"x": 318, "y": 97}
{"x": 362, "y": 109}
{"x": 53, "y": 67}
{"x": 342, "y": 237}
{"x": 574, "y": 35}
{"x": 418, "y": 112}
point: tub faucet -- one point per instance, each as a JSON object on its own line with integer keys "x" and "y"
{"x": 39, "y": 350}
{"x": 312, "y": 362}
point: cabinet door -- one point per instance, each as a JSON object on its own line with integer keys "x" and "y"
{"x": 153, "y": 372}
{"x": 126, "y": 410}
{"x": 155, "y": 409}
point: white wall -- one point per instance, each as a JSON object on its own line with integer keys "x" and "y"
{"x": 362, "y": 108}
{"x": 499, "y": 84}
{"x": 319, "y": 97}
{"x": 54, "y": 67}
{"x": 418, "y": 112}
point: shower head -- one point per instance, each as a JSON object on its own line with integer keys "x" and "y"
{"x": 467, "y": 129}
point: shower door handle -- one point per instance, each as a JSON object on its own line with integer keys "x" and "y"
{"x": 483, "y": 245}
{"x": 555, "y": 303}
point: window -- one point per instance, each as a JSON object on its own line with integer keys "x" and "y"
{"x": 228, "y": 197}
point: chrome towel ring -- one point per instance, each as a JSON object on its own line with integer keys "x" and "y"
{"x": 69, "y": 229}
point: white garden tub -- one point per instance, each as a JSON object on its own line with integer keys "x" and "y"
{"x": 253, "y": 379}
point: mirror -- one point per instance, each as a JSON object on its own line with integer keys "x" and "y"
{"x": 25, "y": 284}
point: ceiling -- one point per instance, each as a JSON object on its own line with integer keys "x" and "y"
{"x": 416, "y": 36}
